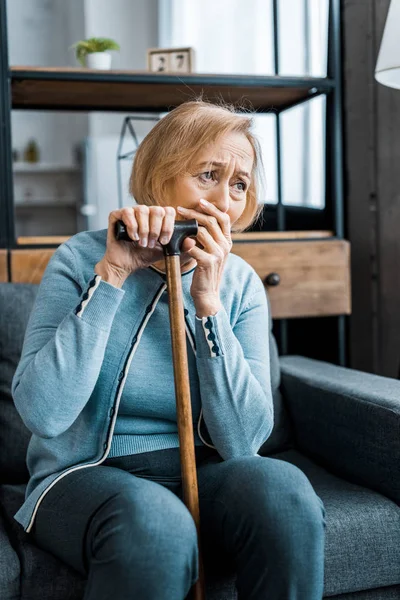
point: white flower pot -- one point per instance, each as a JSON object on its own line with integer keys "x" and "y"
{"x": 98, "y": 60}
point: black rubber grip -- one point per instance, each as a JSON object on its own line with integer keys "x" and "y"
{"x": 182, "y": 230}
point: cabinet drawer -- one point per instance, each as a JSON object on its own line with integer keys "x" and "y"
{"x": 303, "y": 278}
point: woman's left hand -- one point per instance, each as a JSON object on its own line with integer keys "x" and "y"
{"x": 214, "y": 235}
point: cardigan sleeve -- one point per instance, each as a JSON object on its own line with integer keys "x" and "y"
{"x": 64, "y": 346}
{"x": 234, "y": 373}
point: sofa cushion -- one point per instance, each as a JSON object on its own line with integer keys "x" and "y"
{"x": 9, "y": 565}
{"x": 390, "y": 593}
{"x": 16, "y": 302}
{"x": 46, "y": 577}
{"x": 43, "y": 576}
{"x": 362, "y": 549}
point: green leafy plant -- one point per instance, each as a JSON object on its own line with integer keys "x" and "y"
{"x": 90, "y": 45}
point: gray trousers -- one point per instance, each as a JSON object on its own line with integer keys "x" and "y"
{"x": 124, "y": 526}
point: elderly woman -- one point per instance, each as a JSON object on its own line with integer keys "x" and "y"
{"x": 95, "y": 387}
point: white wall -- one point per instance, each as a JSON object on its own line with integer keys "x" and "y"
{"x": 35, "y": 33}
{"x": 40, "y": 33}
{"x": 134, "y": 25}
{"x": 228, "y": 36}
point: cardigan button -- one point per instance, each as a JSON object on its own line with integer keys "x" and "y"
{"x": 112, "y": 411}
{"x": 121, "y": 376}
{"x": 105, "y": 445}
{"x": 186, "y": 311}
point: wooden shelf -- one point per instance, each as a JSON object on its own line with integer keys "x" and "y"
{"x": 141, "y": 91}
{"x": 43, "y": 168}
{"x": 265, "y": 236}
{"x": 46, "y": 203}
{"x": 42, "y": 239}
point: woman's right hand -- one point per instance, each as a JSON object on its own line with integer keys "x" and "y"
{"x": 143, "y": 223}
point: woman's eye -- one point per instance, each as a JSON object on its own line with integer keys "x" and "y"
{"x": 207, "y": 175}
{"x": 242, "y": 186}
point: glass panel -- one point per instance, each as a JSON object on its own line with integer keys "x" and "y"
{"x": 303, "y": 154}
{"x": 265, "y": 130}
{"x": 229, "y": 36}
{"x": 303, "y": 37}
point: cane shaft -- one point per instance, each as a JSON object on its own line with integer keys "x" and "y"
{"x": 183, "y": 403}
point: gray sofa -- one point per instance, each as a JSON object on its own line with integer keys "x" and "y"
{"x": 341, "y": 427}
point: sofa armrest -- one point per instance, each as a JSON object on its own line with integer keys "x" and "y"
{"x": 347, "y": 420}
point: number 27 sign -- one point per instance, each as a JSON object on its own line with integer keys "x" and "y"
{"x": 167, "y": 60}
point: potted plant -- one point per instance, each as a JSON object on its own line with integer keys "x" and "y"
{"x": 93, "y": 52}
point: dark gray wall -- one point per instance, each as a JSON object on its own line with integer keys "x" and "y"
{"x": 372, "y": 191}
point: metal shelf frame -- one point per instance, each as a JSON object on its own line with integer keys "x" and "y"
{"x": 331, "y": 86}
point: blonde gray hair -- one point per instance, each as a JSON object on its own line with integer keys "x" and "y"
{"x": 169, "y": 150}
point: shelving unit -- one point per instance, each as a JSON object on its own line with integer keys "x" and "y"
{"x": 76, "y": 89}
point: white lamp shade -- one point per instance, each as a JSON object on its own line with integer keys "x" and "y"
{"x": 387, "y": 69}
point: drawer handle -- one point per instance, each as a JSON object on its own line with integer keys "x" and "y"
{"x": 272, "y": 279}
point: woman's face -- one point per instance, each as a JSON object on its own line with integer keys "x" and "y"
{"x": 221, "y": 173}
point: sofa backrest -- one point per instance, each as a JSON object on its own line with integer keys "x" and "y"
{"x": 16, "y": 302}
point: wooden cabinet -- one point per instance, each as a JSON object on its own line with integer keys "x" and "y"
{"x": 303, "y": 278}
{"x": 28, "y": 266}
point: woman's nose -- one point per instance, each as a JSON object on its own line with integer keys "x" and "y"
{"x": 220, "y": 198}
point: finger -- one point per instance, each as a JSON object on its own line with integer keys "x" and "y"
{"x": 126, "y": 215}
{"x": 208, "y": 243}
{"x": 217, "y": 222}
{"x": 168, "y": 225}
{"x": 222, "y": 218}
{"x": 156, "y": 217}
{"x": 188, "y": 243}
{"x": 142, "y": 217}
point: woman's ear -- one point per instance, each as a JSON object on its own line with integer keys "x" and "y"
{"x": 167, "y": 193}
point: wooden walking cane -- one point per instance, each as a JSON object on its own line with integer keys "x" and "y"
{"x": 182, "y": 229}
